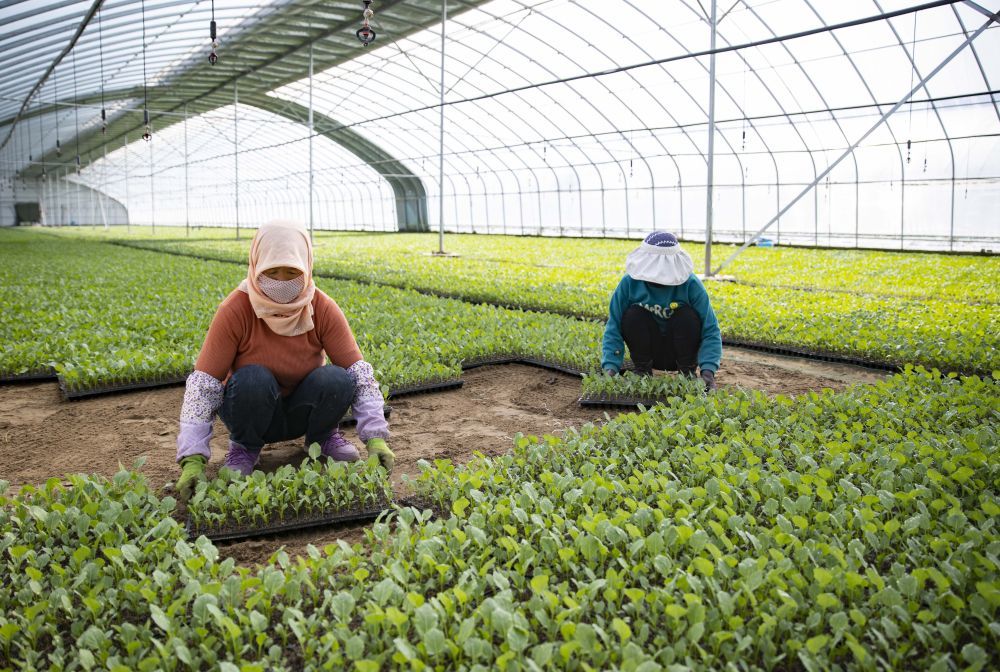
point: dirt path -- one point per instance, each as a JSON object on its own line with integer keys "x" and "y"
{"x": 42, "y": 436}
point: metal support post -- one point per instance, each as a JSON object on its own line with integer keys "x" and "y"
{"x": 187, "y": 205}
{"x": 710, "y": 182}
{"x": 104, "y": 192}
{"x": 128, "y": 203}
{"x": 948, "y": 59}
{"x": 76, "y": 199}
{"x": 236, "y": 151}
{"x": 311, "y": 176}
{"x": 444, "y": 20}
{"x": 152, "y": 190}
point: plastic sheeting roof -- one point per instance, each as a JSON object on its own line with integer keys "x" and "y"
{"x": 592, "y": 114}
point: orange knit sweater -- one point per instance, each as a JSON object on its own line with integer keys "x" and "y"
{"x": 237, "y": 337}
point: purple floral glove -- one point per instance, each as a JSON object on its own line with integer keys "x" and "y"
{"x": 368, "y": 406}
{"x": 202, "y": 398}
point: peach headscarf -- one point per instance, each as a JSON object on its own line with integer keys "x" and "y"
{"x": 281, "y": 243}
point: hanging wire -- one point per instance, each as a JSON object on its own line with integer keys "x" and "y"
{"x": 41, "y": 140}
{"x": 147, "y": 134}
{"x": 213, "y": 57}
{"x": 76, "y": 114}
{"x": 55, "y": 107}
{"x": 913, "y": 71}
{"x": 100, "y": 45}
{"x": 746, "y": 67}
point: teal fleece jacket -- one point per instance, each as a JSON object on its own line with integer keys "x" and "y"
{"x": 657, "y": 300}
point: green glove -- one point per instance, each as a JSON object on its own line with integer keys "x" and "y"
{"x": 192, "y": 471}
{"x": 385, "y": 456}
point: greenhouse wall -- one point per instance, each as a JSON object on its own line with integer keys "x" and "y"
{"x": 62, "y": 202}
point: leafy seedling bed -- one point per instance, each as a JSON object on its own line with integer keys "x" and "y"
{"x": 423, "y": 503}
{"x": 316, "y": 492}
{"x": 234, "y": 532}
{"x": 629, "y": 389}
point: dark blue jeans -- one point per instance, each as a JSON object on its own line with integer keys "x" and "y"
{"x": 672, "y": 349}
{"x": 256, "y": 413}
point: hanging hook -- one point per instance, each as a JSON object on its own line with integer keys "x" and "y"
{"x": 365, "y": 32}
{"x": 148, "y": 134}
{"x": 213, "y": 57}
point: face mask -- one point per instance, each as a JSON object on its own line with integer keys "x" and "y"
{"x": 281, "y": 291}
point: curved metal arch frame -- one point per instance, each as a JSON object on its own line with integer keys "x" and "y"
{"x": 937, "y": 112}
{"x": 411, "y": 198}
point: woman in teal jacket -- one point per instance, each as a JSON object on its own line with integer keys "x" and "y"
{"x": 662, "y": 312}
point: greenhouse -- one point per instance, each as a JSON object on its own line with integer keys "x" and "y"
{"x": 499, "y": 334}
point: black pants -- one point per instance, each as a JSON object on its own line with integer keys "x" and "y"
{"x": 674, "y": 348}
{"x": 256, "y": 413}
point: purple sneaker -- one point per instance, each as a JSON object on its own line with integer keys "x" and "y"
{"x": 340, "y": 449}
{"x": 240, "y": 460}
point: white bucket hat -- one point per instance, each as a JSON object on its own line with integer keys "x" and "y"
{"x": 660, "y": 259}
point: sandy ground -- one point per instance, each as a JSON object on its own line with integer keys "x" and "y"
{"x": 42, "y": 436}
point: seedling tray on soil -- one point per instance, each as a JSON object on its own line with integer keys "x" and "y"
{"x": 615, "y": 401}
{"x": 552, "y": 365}
{"x": 501, "y": 358}
{"x": 516, "y": 358}
{"x": 422, "y": 504}
{"x": 162, "y": 381}
{"x": 248, "y": 530}
{"x": 817, "y": 355}
{"x": 28, "y": 376}
{"x": 429, "y": 386}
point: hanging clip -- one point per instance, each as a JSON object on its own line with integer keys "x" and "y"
{"x": 58, "y": 148}
{"x": 148, "y": 135}
{"x": 365, "y": 32}
{"x": 104, "y": 121}
{"x": 213, "y": 57}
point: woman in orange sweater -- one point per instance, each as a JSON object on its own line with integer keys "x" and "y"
{"x": 263, "y": 367}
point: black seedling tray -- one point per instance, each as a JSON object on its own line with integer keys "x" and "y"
{"x": 476, "y": 362}
{"x": 817, "y": 355}
{"x": 422, "y": 504}
{"x": 247, "y": 531}
{"x": 553, "y": 366}
{"x": 28, "y": 376}
{"x": 513, "y": 358}
{"x": 164, "y": 381}
{"x": 421, "y": 388}
{"x": 615, "y": 401}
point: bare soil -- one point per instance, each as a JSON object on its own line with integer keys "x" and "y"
{"x": 43, "y": 436}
